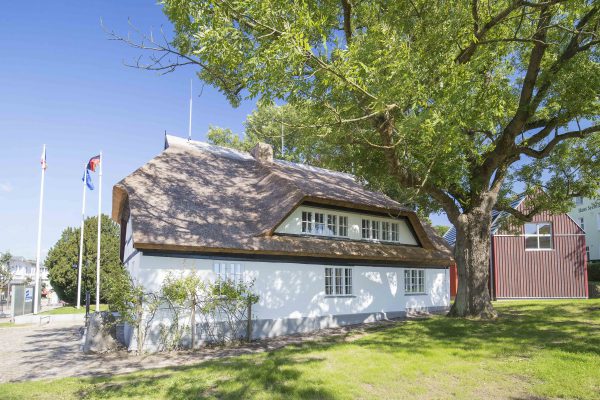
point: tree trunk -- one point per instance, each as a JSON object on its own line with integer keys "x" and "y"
{"x": 193, "y": 324}
{"x": 472, "y": 255}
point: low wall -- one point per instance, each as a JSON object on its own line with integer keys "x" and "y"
{"x": 265, "y": 328}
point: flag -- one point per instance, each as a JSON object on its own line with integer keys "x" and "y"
{"x": 43, "y": 159}
{"x": 87, "y": 178}
{"x": 93, "y": 163}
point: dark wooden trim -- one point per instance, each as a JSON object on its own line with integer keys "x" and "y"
{"x": 287, "y": 259}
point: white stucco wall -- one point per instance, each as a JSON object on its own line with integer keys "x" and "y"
{"x": 295, "y": 290}
{"x": 588, "y": 212}
{"x": 293, "y": 223}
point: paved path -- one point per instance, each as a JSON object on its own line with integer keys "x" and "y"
{"x": 51, "y": 351}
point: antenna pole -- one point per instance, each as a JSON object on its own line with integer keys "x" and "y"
{"x": 190, "y": 124}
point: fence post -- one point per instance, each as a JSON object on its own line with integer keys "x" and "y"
{"x": 249, "y": 325}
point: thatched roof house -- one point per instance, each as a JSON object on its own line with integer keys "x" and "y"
{"x": 320, "y": 249}
{"x": 196, "y": 197}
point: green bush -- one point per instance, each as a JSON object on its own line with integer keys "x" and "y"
{"x": 594, "y": 290}
{"x": 594, "y": 271}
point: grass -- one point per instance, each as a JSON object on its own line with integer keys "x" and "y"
{"x": 6, "y": 324}
{"x": 73, "y": 310}
{"x": 535, "y": 350}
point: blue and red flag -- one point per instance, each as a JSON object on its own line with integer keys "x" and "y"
{"x": 93, "y": 163}
{"x": 87, "y": 178}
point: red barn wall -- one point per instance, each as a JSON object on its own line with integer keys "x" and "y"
{"x": 556, "y": 273}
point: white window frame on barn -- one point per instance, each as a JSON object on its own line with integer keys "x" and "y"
{"x": 338, "y": 282}
{"x": 533, "y": 237}
{"x": 414, "y": 281}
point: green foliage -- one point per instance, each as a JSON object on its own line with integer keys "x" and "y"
{"x": 65, "y": 253}
{"x": 594, "y": 271}
{"x": 441, "y": 229}
{"x": 5, "y": 272}
{"x": 447, "y": 79}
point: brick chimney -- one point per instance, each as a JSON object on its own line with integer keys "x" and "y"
{"x": 262, "y": 152}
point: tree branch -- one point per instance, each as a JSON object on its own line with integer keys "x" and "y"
{"x": 347, "y": 8}
{"x": 556, "y": 140}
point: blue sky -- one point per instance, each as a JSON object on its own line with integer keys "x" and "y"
{"x": 63, "y": 83}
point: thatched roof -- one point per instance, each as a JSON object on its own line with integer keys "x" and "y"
{"x": 196, "y": 197}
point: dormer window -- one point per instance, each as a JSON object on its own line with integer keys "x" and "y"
{"x": 332, "y": 224}
{"x": 343, "y": 226}
{"x": 306, "y": 222}
{"x": 375, "y": 230}
{"x": 319, "y": 224}
{"x": 366, "y": 229}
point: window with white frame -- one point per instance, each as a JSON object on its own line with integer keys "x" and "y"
{"x": 598, "y": 221}
{"x": 229, "y": 271}
{"x": 385, "y": 231}
{"x": 582, "y": 223}
{"x": 343, "y": 226}
{"x": 338, "y": 281}
{"x": 587, "y": 252}
{"x": 366, "y": 229}
{"x": 538, "y": 236}
{"x": 414, "y": 281}
{"x": 578, "y": 201}
{"x": 319, "y": 224}
{"x": 395, "y": 232}
{"x": 306, "y": 222}
{"x": 375, "y": 230}
{"x": 332, "y": 226}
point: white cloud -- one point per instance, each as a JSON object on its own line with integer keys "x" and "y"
{"x": 6, "y": 187}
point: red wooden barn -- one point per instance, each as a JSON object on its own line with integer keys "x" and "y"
{"x": 544, "y": 259}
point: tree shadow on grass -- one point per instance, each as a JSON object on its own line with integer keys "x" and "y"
{"x": 278, "y": 375}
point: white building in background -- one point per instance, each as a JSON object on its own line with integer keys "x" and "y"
{"x": 321, "y": 249}
{"x": 23, "y": 271}
{"x": 587, "y": 215}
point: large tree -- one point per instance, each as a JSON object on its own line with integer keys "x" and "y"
{"x": 465, "y": 104}
{"x": 63, "y": 259}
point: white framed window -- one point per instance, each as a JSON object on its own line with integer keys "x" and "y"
{"x": 375, "y": 230}
{"x": 582, "y": 223}
{"x": 319, "y": 224}
{"x": 587, "y": 253}
{"x": 343, "y": 225}
{"x": 395, "y": 232}
{"x": 306, "y": 222}
{"x": 332, "y": 226}
{"x": 366, "y": 229}
{"x": 385, "y": 231}
{"x": 538, "y": 236}
{"x": 414, "y": 281}
{"x": 598, "y": 221}
{"x": 578, "y": 201}
{"x": 229, "y": 271}
{"x": 338, "y": 281}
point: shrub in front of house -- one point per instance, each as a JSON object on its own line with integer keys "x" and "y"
{"x": 594, "y": 271}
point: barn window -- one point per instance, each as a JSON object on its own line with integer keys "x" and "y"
{"x": 414, "y": 281}
{"x": 538, "y": 236}
{"x": 338, "y": 281}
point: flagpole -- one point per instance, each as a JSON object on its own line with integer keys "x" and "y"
{"x": 99, "y": 236}
{"x": 39, "y": 237}
{"x": 81, "y": 240}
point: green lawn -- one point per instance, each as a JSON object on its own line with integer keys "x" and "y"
{"x": 73, "y": 310}
{"x": 535, "y": 350}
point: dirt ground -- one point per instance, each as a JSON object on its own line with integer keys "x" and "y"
{"x": 35, "y": 352}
